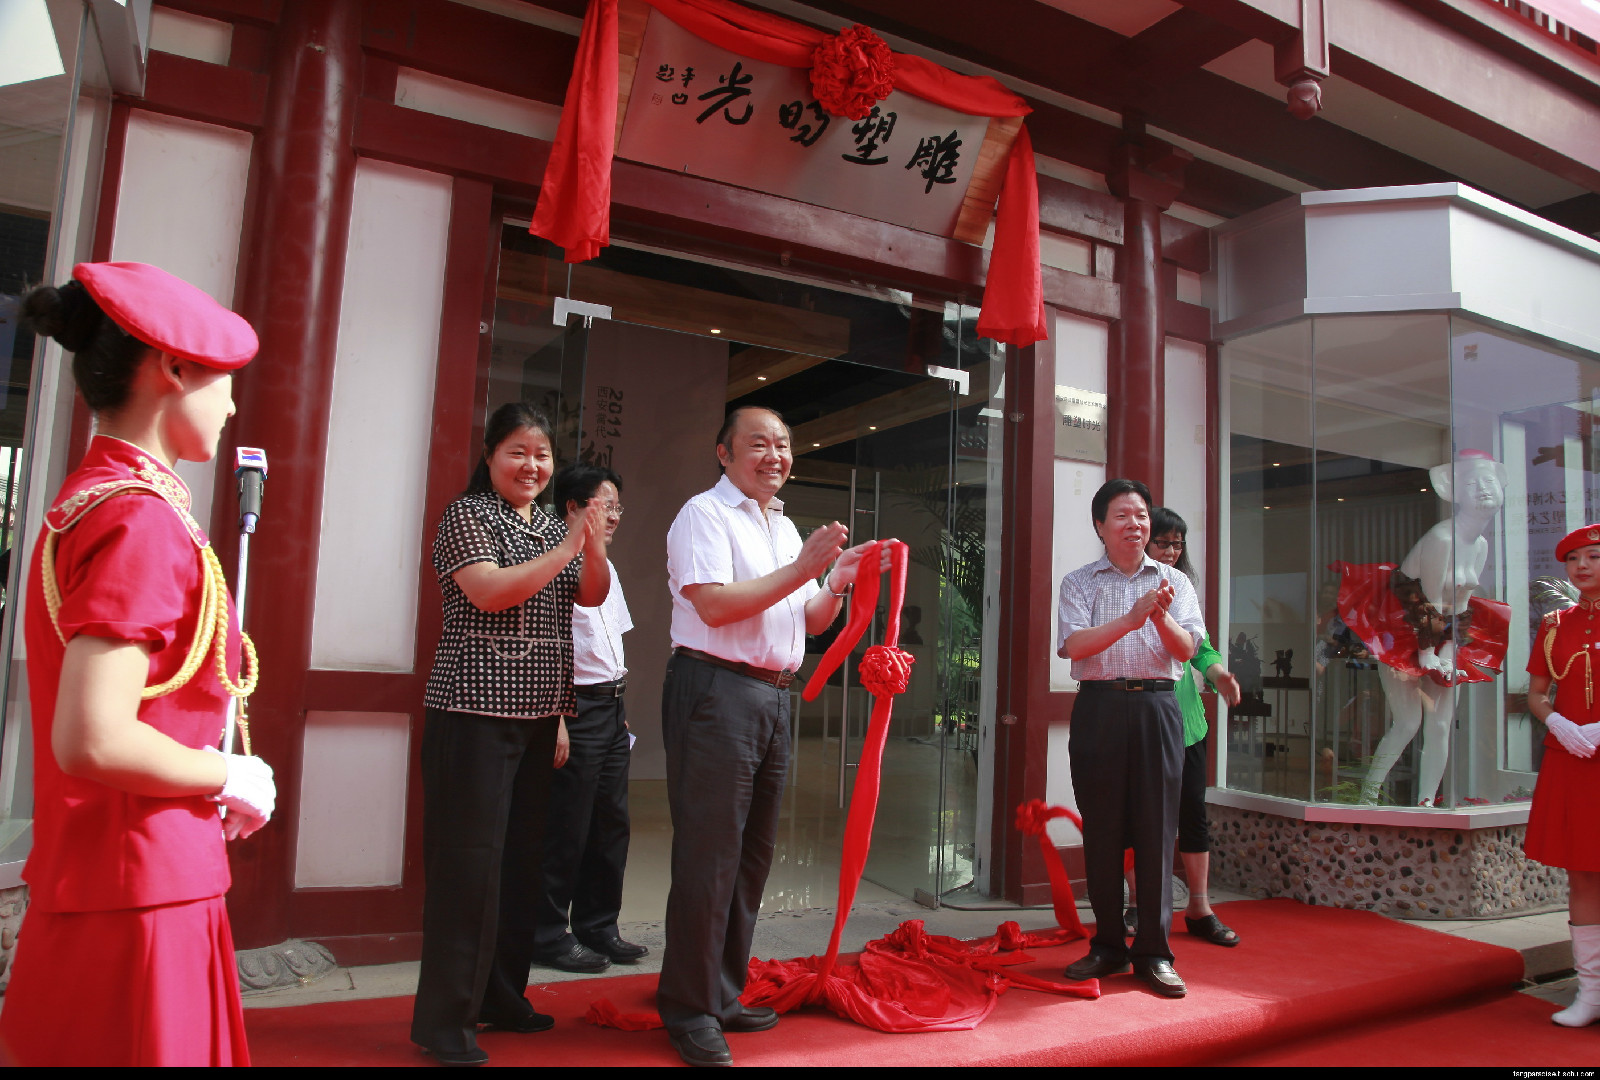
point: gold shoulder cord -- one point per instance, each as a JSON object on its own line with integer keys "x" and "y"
{"x": 1550, "y": 661}
{"x": 211, "y": 632}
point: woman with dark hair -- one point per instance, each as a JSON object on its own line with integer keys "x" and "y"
{"x": 134, "y": 649}
{"x": 496, "y": 705}
{"x": 1168, "y": 544}
{"x": 1566, "y": 799}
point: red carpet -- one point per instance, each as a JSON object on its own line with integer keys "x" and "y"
{"x": 1301, "y": 973}
{"x": 1508, "y": 1029}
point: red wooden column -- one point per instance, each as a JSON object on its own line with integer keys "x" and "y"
{"x": 1027, "y": 622}
{"x": 1147, "y": 176}
{"x": 292, "y": 273}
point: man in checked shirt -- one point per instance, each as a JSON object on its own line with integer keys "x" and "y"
{"x": 1128, "y": 624}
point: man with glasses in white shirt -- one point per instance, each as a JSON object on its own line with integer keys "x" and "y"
{"x": 1129, "y": 624}
{"x": 587, "y": 830}
{"x": 744, "y": 597}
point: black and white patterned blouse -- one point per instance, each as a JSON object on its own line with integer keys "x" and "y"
{"x": 516, "y": 662}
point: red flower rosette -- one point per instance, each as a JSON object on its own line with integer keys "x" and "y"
{"x": 851, "y": 72}
{"x": 886, "y": 670}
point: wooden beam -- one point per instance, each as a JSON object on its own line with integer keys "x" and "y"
{"x": 887, "y": 411}
{"x": 755, "y": 368}
{"x": 671, "y": 306}
{"x": 472, "y": 46}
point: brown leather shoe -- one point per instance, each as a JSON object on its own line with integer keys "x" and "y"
{"x": 1160, "y": 977}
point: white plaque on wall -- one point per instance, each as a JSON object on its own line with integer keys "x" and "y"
{"x": 1080, "y": 424}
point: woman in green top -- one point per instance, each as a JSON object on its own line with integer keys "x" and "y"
{"x": 1167, "y": 535}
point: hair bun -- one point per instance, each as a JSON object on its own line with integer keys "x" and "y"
{"x": 68, "y": 314}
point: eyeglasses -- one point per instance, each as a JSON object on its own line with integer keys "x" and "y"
{"x": 1168, "y": 545}
{"x": 612, "y": 509}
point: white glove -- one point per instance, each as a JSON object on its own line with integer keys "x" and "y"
{"x": 1591, "y": 732}
{"x": 1569, "y": 735}
{"x": 250, "y": 795}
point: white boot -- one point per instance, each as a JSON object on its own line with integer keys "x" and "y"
{"x": 1586, "y": 959}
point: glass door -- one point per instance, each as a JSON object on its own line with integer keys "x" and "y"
{"x": 654, "y": 351}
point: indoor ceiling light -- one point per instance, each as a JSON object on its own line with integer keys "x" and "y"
{"x": 714, "y": 330}
{"x": 761, "y": 378}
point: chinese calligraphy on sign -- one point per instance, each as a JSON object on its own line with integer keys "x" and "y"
{"x": 700, "y": 109}
{"x": 1080, "y": 424}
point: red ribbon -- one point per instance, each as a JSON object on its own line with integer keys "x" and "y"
{"x": 909, "y": 980}
{"x": 1032, "y": 818}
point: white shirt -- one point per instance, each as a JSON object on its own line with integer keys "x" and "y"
{"x": 597, "y": 637}
{"x": 719, "y": 537}
{"x": 1095, "y": 594}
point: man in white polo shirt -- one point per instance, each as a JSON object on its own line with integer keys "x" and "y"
{"x": 744, "y": 597}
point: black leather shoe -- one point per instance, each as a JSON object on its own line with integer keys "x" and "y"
{"x": 759, "y": 1018}
{"x": 522, "y": 1025}
{"x": 703, "y": 1047}
{"x": 623, "y": 952}
{"x": 1097, "y": 965}
{"x": 1161, "y": 977}
{"x": 577, "y": 957}
{"x": 472, "y": 1057}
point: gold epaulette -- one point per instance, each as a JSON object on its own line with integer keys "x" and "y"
{"x": 211, "y": 632}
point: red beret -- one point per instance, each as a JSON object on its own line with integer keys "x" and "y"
{"x": 1577, "y": 538}
{"x": 169, "y": 313}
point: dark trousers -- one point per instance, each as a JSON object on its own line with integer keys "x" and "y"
{"x": 586, "y": 833}
{"x": 727, "y": 743}
{"x": 1126, "y": 753}
{"x": 485, "y": 789}
{"x": 1194, "y": 826}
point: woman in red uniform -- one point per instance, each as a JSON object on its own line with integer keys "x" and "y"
{"x": 1566, "y": 802}
{"x": 125, "y": 957}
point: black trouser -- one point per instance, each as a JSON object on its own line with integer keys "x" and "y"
{"x": 485, "y": 788}
{"x": 1126, "y": 753}
{"x": 586, "y": 834}
{"x": 1194, "y": 827}
{"x": 727, "y": 742}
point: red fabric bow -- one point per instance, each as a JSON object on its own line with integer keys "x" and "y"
{"x": 574, "y": 208}
{"x": 852, "y": 71}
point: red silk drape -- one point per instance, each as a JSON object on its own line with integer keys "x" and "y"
{"x": 574, "y": 208}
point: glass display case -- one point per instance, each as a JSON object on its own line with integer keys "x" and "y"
{"x": 1396, "y": 483}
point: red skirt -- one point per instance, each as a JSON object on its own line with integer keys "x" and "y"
{"x": 146, "y": 986}
{"x": 1566, "y": 809}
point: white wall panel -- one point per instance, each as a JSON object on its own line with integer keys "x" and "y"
{"x": 1184, "y": 484}
{"x": 1058, "y": 786}
{"x": 181, "y": 207}
{"x": 1080, "y": 353}
{"x": 353, "y": 774}
{"x": 380, "y": 419}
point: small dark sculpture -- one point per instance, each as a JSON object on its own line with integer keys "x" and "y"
{"x": 1283, "y": 663}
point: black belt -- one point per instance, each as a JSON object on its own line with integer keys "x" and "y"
{"x": 780, "y": 679}
{"x": 611, "y": 689}
{"x": 1132, "y": 685}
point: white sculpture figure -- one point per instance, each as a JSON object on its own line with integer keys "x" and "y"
{"x": 1445, "y": 563}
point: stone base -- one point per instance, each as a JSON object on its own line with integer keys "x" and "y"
{"x": 1407, "y": 871}
{"x": 293, "y": 963}
{"x": 13, "y": 903}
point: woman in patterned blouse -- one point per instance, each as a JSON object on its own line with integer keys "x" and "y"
{"x": 495, "y": 704}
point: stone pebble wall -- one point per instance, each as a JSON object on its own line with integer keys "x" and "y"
{"x": 1408, "y": 872}
{"x": 13, "y": 902}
